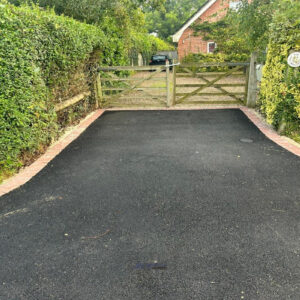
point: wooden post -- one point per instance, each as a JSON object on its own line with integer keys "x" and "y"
{"x": 168, "y": 83}
{"x": 98, "y": 91}
{"x": 85, "y": 105}
{"x": 246, "y": 85}
{"x": 252, "y": 83}
{"x": 174, "y": 87}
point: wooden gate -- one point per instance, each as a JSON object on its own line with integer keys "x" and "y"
{"x": 127, "y": 86}
{"x": 187, "y": 84}
{"x": 211, "y": 83}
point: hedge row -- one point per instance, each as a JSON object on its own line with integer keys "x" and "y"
{"x": 215, "y": 57}
{"x": 280, "y": 87}
{"x": 43, "y": 59}
{"x": 218, "y": 57}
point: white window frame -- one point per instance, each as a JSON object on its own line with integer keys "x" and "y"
{"x": 208, "y": 46}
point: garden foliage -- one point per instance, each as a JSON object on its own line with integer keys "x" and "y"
{"x": 280, "y": 87}
{"x": 217, "y": 57}
{"x": 167, "y": 20}
{"x": 44, "y": 59}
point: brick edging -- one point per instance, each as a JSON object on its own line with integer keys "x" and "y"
{"x": 270, "y": 133}
{"x": 27, "y": 173}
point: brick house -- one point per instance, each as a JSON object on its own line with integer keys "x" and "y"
{"x": 211, "y": 11}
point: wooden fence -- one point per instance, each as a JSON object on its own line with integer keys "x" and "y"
{"x": 96, "y": 93}
{"x": 118, "y": 86}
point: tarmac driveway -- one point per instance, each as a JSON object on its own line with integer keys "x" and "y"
{"x": 157, "y": 205}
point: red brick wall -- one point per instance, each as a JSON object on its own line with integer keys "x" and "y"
{"x": 188, "y": 43}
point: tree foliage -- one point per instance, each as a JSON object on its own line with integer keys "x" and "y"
{"x": 242, "y": 30}
{"x": 255, "y": 18}
{"x": 174, "y": 13}
{"x": 248, "y": 28}
{"x": 223, "y": 32}
{"x": 95, "y": 11}
{"x": 122, "y": 21}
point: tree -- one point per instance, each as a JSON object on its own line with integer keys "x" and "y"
{"x": 248, "y": 28}
{"x": 253, "y": 20}
{"x": 92, "y": 11}
{"x": 174, "y": 13}
{"x": 119, "y": 19}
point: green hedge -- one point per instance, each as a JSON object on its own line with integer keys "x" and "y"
{"x": 280, "y": 87}
{"x": 44, "y": 59}
{"x": 215, "y": 58}
{"x": 38, "y": 51}
{"x": 219, "y": 57}
{"x": 147, "y": 45}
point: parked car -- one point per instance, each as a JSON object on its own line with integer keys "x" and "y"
{"x": 160, "y": 60}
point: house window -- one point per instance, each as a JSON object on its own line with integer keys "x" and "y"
{"x": 211, "y": 46}
{"x": 235, "y": 5}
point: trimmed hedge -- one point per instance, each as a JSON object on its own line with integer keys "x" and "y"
{"x": 147, "y": 45}
{"x": 38, "y": 50}
{"x": 44, "y": 59}
{"x": 280, "y": 87}
{"x": 215, "y": 58}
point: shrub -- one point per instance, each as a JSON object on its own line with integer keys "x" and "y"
{"x": 280, "y": 87}
{"x": 219, "y": 57}
{"x": 215, "y": 58}
{"x": 147, "y": 45}
{"x": 39, "y": 51}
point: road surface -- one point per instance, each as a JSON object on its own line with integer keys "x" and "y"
{"x": 157, "y": 205}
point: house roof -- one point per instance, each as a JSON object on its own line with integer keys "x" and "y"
{"x": 192, "y": 19}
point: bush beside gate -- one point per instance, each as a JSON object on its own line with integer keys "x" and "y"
{"x": 280, "y": 87}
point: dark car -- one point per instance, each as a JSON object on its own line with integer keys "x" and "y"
{"x": 160, "y": 60}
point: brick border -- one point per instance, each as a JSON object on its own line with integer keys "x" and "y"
{"x": 270, "y": 133}
{"x": 27, "y": 173}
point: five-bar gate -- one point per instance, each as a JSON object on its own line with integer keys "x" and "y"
{"x": 165, "y": 86}
{"x": 222, "y": 83}
{"x": 134, "y": 86}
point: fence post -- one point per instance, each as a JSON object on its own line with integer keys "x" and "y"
{"x": 168, "y": 83}
{"x": 246, "y": 84}
{"x": 174, "y": 87}
{"x": 98, "y": 91}
{"x": 252, "y": 83}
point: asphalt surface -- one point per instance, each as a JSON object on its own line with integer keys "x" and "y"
{"x": 219, "y": 216}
